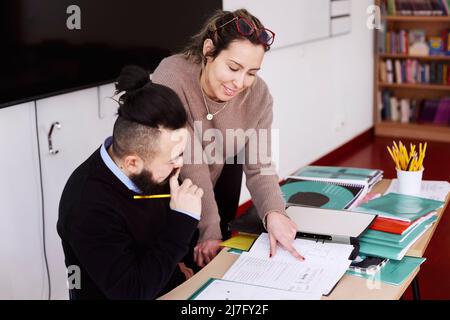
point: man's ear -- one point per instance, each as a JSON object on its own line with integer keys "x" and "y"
{"x": 208, "y": 47}
{"x": 133, "y": 164}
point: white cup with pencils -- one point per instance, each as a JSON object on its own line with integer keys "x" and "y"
{"x": 409, "y": 166}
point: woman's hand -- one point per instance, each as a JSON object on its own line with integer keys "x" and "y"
{"x": 205, "y": 251}
{"x": 188, "y": 272}
{"x": 283, "y": 230}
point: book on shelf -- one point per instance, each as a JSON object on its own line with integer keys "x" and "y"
{"x": 405, "y": 110}
{"x": 418, "y": 7}
{"x": 400, "y": 71}
{"x": 413, "y": 42}
{"x": 436, "y": 45}
{"x": 442, "y": 115}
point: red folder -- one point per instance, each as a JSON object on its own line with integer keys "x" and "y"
{"x": 397, "y": 226}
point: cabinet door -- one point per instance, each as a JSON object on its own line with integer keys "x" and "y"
{"x": 22, "y": 265}
{"x": 76, "y": 134}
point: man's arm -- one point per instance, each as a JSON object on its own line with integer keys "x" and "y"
{"x": 107, "y": 252}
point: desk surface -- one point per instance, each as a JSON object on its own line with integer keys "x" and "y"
{"x": 349, "y": 287}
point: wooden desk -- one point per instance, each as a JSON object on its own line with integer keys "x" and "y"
{"x": 348, "y": 288}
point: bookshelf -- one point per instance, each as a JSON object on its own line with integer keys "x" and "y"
{"x": 433, "y": 26}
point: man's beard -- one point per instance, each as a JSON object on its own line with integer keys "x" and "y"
{"x": 147, "y": 184}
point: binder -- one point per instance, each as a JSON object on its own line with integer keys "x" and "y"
{"x": 336, "y": 226}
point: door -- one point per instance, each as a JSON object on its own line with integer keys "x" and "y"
{"x": 22, "y": 264}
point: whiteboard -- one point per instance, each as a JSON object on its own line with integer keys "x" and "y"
{"x": 293, "y": 21}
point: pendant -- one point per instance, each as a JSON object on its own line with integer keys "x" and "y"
{"x": 209, "y": 116}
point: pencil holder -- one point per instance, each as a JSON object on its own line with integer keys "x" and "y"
{"x": 409, "y": 182}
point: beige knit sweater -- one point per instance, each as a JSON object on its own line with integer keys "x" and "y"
{"x": 250, "y": 109}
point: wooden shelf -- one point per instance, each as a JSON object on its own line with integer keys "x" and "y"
{"x": 417, "y": 18}
{"x": 415, "y": 86}
{"x": 426, "y": 132}
{"x": 432, "y": 25}
{"x": 407, "y": 56}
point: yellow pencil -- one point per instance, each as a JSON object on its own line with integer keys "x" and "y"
{"x": 154, "y": 196}
{"x": 422, "y": 156}
{"x": 393, "y": 158}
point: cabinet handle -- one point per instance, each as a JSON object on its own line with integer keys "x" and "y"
{"x": 56, "y": 125}
{"x": 100, "y": 102}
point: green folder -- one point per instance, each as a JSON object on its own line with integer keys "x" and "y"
{"x": 394, "y": 272}
{"x": 396, "y": 240}
{"x": 384, "y": 249}
{"x": 400, "y": 207}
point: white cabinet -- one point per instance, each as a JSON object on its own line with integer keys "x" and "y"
{"x": 32, "y": 179}
{"x": 81, "y": 121}
{"x": 22, "y": 267}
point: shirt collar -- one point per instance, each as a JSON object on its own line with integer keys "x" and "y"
{"x": 114, "y": 168}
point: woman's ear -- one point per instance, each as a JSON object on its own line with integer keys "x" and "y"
{"x": 208, "y": 47}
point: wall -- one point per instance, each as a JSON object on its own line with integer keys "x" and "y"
{"x": 322, "y": 93}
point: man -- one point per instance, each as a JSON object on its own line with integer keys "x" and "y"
{"x": 128, "y": 248}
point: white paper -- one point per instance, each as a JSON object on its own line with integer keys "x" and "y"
{"x": 324, "y": 265}
{"x": 435, "y": 190}
{"x": 228, "y": 290}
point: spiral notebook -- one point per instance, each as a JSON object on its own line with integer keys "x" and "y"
{"x": 349, "y": 175}
{"x": 321, "y": 194}
{"x": 329, "y": 187}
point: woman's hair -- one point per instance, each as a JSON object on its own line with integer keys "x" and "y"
{"x": 144, "y": 108}
{"x": 221, "y": 37}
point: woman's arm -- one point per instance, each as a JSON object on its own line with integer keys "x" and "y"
{"x": 262, "y": 182}
{"x": 210, "y": 234}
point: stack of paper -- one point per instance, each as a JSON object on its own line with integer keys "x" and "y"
{"x": 435, "y": 190}
{"x": 219, "y": 289}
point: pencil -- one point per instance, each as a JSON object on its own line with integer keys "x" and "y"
{"x": 154, "y": 196}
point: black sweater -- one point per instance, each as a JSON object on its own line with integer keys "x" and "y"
{"x": 125, "y": 248}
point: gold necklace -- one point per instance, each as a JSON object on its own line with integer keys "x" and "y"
{"x": 210, "y": 115}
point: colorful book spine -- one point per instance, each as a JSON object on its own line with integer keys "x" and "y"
{"x": 443, "y": 112}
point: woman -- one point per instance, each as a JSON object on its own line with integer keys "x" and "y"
{"x": 216, "y": 79}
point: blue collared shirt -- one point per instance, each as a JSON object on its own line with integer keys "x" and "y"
{"x": 123, "y": 177}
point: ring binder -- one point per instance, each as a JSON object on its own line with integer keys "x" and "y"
{"x": 336, "y": 226}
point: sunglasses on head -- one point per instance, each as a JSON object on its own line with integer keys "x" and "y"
{"x": 247, "y": 28}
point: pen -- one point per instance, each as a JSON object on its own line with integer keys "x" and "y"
{"x": 154, "y": 196}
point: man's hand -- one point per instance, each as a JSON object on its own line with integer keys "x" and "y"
{"x": 205, "y": 251}
{"x": 185, "y": 197}
{"x": 188, "y": 272}
{"x": 283, "y": 230}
